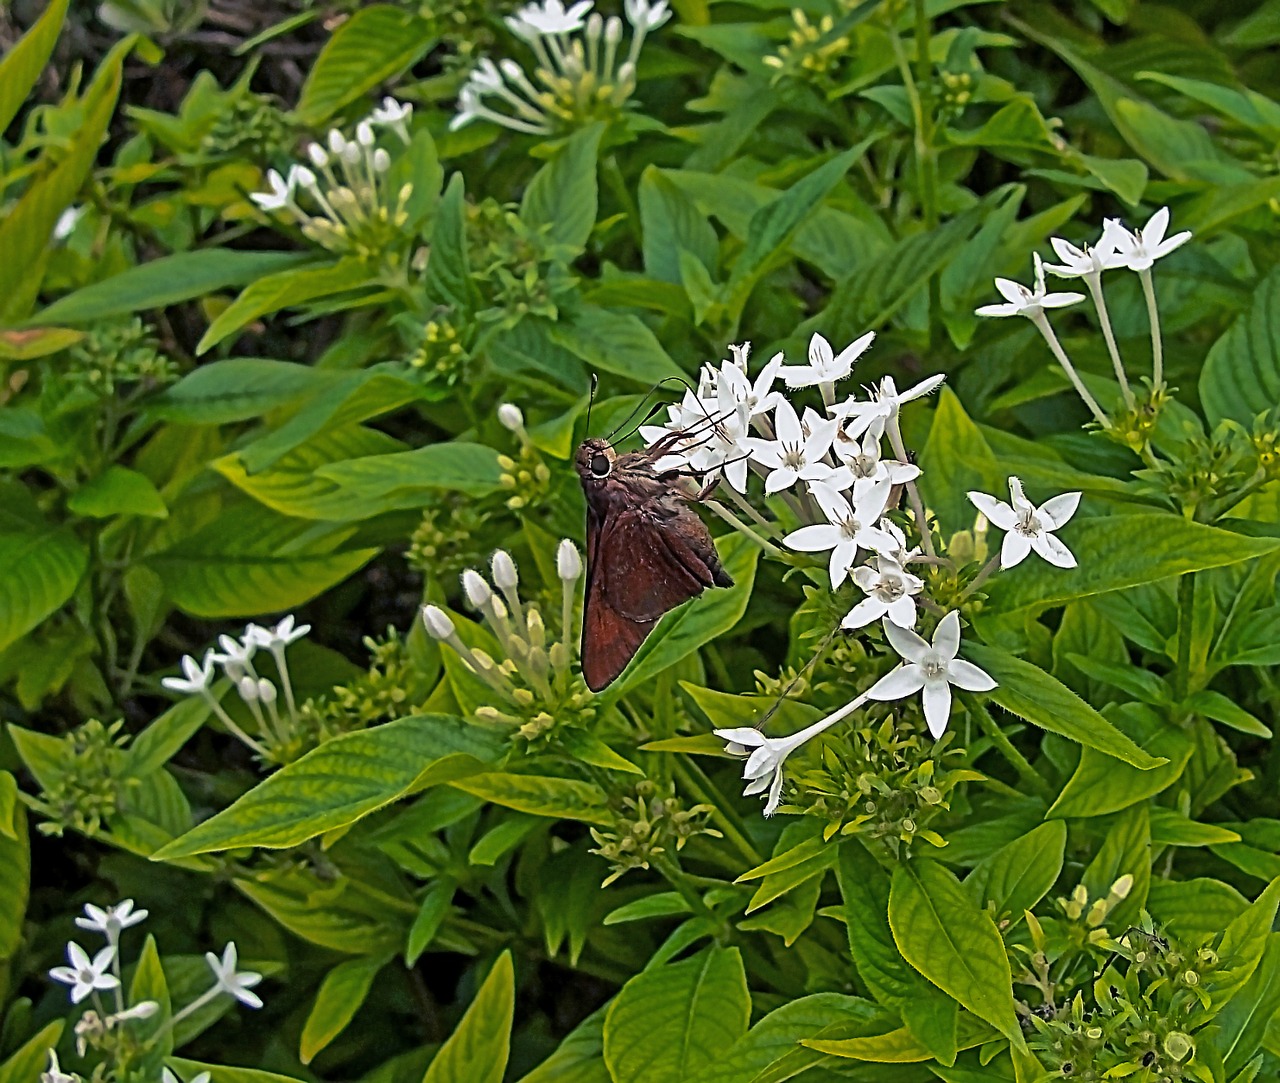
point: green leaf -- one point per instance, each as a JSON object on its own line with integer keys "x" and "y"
{"x": 409, "y": 478}
{"x": 15, "y": 885}
{"x": 660, "y": 905}
{"x": 161, "y": 740}
{"x": 1215, "y": 705}
{"x": 1245, "y": 1018}
{"x": 672, "y": 223}
{"x": 616, "y": 342}
{"x": 952, "y": 943}
{"x": 21, "y": 67}
{"x": 1022, "y": 872}
{"x": 226, "y": 1073}
{"x": 901, "y": 1046}
{"x": 1100, "y": 786}
{"x": 165, "y": 281}
{"x": 432, "y": 911}
{"x": 26, "y": 227}
{"x": 448, "y": 270}
{"x": 1116, "y": 552}
{"x": 929, "y": 1013}
{"x": 251, "y": 560}
{"x": 377, "y": 43}
{"x": 238, "y": 389}
{"x": 32, "y": 1057}
{"x": 1126, "y": 851}
{"x": 118, "y": 491}
{"x": 42, "y": 564}
{"x": 36, "y": 342}
{"x": 683, "y": 631}
{"x": 670, "y": 1022}
{"x": 539, "y": 795}
{"x": 149, "y": 984}
{"x": 338, "y": 999}
{"x": 1242, "y": 947}
{"x": 340, "y": 782}
{"x": 1241, "y": 374}
{"x": 956, "y": 458}
{"x": 1029, "y": 692}
{"x": 287, "y": 289}
{"x": 578, "y": 1057}
{"x": 562, "y": 197}
{"x": 476, "y": 1052}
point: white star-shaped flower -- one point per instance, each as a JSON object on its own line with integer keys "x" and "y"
{"x": 645, "y": 16}
{"x": 765, "y": 756}
{"x": 1029, "y": 527}
{"x": 113, "y": 919}
{"x": 796, "y": 454}
{"x": 549, "y": 17}
{"x": 889, "y": 589}
{"x": 825, "y": 365}
{"x": 861, "y": 460}
{"x": 758, "y": 396}
{"x": 871, "y": 415}
{"x": 1085, "y": 261}
{"x": 281, "y": 194}
{"x": 280, "y": 636}
{"x": 1031, "y": 303}
{"x": 391, "y": 112}
{"x": 233, "y": 982}
{"x": 931, "y": 666}
{"x": 1139, "y": 249}
{"x": 84, "y": 975}
{"x": 236, "y": 656}
{"x": 197, "y": 676}
{"x": 850, "y": 526}
{"x": 55, "y": 1074}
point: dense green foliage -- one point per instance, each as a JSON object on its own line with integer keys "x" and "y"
{"x": 257, "y": 320}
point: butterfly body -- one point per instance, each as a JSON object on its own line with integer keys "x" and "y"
{"x": 647, "y": 552}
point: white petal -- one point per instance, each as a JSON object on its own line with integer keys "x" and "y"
{"x": 782, "y": 478}
{"x": 996, "y": 511}
{"x": 747, "y": 736}
{"x": 998, "y": 310}
{"x": 1015, "y": 549}
{"x": 864, "y": 613}
{"x": 1153, "y": 232}
{"x": 820, "y": 353}
{"x": 1053, "y": 551}
{"x": 1060, "y": 300}
{"x": 775, "y": 795}
{"x": 1057, "y": 510}
{"x": 813, "y": 539}
{"x": 909, "y": 645}
{"x": 925, "y": 386}
{"x": 969, "y": 677}
{"x": 1013, "y": 292}
{"x": 786, "y": 424}
{"x": 937, "y": 707}
{"x": 897, "y": 684}
{"x": 902, "y": 611}
{"x": 946, "y": 637}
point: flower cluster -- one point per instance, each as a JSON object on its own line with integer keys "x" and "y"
{"x": 834, "y": 479}
{"x": 277, "y": 730}
{"x": 1118, "y": 247}
{"x": 349, "y": 207}
{"x": 580, "y": 74}
{"x": 113, "y": 1032}
{"x": 532, "y": 674}
{"x": 647, "y": 826}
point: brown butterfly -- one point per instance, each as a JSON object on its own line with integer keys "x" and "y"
{"x": 647, "y": 552}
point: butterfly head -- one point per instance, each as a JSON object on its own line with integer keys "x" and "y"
{"x": 595, "y": 459}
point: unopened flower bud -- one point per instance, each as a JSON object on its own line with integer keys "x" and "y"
{"x": 381, "y": 161}
{"x": 304, "y": 177}
{"x": 613, "y": 30}
{"x": 475, "y": 588}
{"x": 317, "y": 155}
{"x": 337, "y": 144}
{"x": 504, "y": 570}
{"x": 1121, "y": 888}
{"x": 248, "y": 689}
{"x": 511, "y": 70}
{"x": 437, "y": 622}
{"x": 511, "y": 417}
{"x": 568, "y": 561}
{"x": 537, "y": 629}
{"x": 266, "y": 691}
{"x": 364, "y": 134}
{"x": 1177, "y": 1045}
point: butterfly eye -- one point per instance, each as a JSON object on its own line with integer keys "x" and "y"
{"x": 600, "y": 465}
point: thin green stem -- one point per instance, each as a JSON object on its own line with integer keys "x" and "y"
{"x": 1186, "y": 629}
{"x": 693, "y": 780}
{"x": 1153, "y": 314}
{"x": 743, "y": 529}
{"x": 1028, "y": 774}
{"x": 1043, "y": 326}
{"x": 1094, "y": 282}
{"x": 913, "y": 492}
{"x": 988, "y": 569}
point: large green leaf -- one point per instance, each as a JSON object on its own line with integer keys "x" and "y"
{"x": 1242, "y": 947}
{"x": 1020, "y": 873}
{"x": 901, "y": 1046}
{"x": 1241, "y": 374}
{"x": 343, "y": 780}
{"x": 1031, "y": 693}
{"x": 237, "y": 389}
{"x": 165, "y": 281}
{"x": 539, "y": 795}
{"x": 476, "y": 1052}
{"x": 27, "y": 225}
{"x": 15, "y": 885}
{"x": 670, "y": 1022}
{"x": 671, "y": 221}
{"x": 378, "y": 42}
{"x": 21, "y": 67}
{"x": 408, "y": 477}
{"x": 956, "y": 458}
{"x": 951, "y": 942}
{"x": 683, "y": 631}
{"x": 562, "y": 198}
{"x": 42, "y": 564}
{"x": 1246, "y": 1017}
{"x": 577, "y": 1058}
{"x": 30, "y": 1059}
{"x": 1125, "y": 851}
{"x": 616, "y": 342}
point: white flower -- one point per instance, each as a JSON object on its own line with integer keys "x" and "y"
{"x": 67, "y": 221}
{"x": 166, "y": 1076}
{"x": 144, "y": 1009}
{"x": 437, "y": 622}
{"x": 898, "y": 551}
{"x": 236, "y": 655}
{"x": 825, "y": 366}
{"x": 391, "y": 112}
{"x": 504, "y": 570}
{"x": 197, "y": 676}
{"x": 883, "y": 406}
{"x": 889, "y": 591}
{"x": 84, "y": 975}
{"x": 1139, "y": 249}
{"x": 645, "y": 16}
{"x": 511, "y": 417}
{"x": 568, "y": 561}
{"x": 795, "y": 454}
{"x": 863, "y": 461}
{"x": 758, "y": 397}
{"x": 933, "y": 667}
{"x": 237, "y": 984}
{"x": 281, "y": 194}
{"x": 113, "y": 919}
{"x": 277, "y": 638}
{"x": 1085, "y": 261}
{"x": 470, "y": 107}
{"x": 1029, "y": 527}
{"x": 849, "y": 527}
{"x": 1028, "y": 302}
{"x": 55, "y": 1074}
{"x": 763, "y": 769}
{"x": 549, "y": 17}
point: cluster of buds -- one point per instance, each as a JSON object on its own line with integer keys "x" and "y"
{"x": 277, "y": 730}
{"x": 1087, "y": 919}
{"x": 533, "y": 679}
{"x": 349, "y": 207}
{"x": 387, "y": 690}
{"x": 88, "y": 791}
{"x": 646, "y": 826}
{"x": 580, "y": 73}
{"x": 813, "y": 51}
{"x": 527, "y": 477}
{"x": 111, "y": 1032}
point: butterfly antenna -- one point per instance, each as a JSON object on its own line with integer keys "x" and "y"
{"x": 777, "y": 706}
{"x": 651, "y": 392}
{"x": 591, "y": 399}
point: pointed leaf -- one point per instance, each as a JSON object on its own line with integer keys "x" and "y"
{"x": 477, "y": 1051}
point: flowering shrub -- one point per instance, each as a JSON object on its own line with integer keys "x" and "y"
{"x": 957, "y": 763}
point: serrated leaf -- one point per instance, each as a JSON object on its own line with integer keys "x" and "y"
{"x": 1241, "y": 374}
{"x": 338, "y": 999}
{"x": 340, "y": 782}
{"x": 377, "y": 43}
{"x": 476, "y": 1052}
{"x": 952, "y": 943}
{"x": 562, "y": 198}
{"x": 671, "y": 1021}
